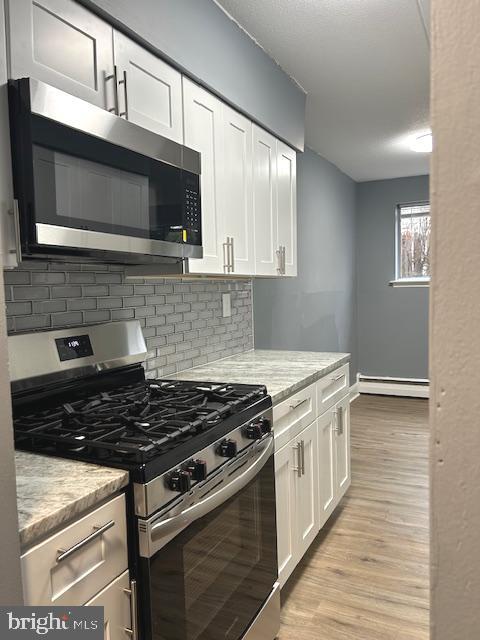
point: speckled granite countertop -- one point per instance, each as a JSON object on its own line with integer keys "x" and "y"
{"x": 53, "y": 491}
{"x": 283, "y": 372}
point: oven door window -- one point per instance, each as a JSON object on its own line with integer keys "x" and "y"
{"x": 82, "y": 182}
{"x": 211, "y": 580}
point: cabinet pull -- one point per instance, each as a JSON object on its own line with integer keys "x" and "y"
{"x": 66, "y": 553}
{"x": 113, "y": 76}
{"x": 125, "y": 95}
{"x": 337, "y": 378}
{"x": 284, "y": 263}
{"x": 279, "y": 261}
{"x": 15, "y": 213}
{"x": 302, "y": 457}
{"x": 298, "y": 468}
{"x": 226, "y": 265}
{"x": 299, "y": 403}
{"x": 232, "y": 256}
{"x": 132, "y": 592}
{"x": 339, "y": 421}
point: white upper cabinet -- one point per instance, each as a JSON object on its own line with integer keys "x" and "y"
{"x": 203, "y": 131}
{"x": 265, "y": 202}
{"x": 237, "y": 195}
{"x": 149, "y": 90}
{"x": 287, "y": 207}
{"x": 63, "y": 44}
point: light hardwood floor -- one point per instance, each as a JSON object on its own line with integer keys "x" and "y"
{"x": 366, "y": 575}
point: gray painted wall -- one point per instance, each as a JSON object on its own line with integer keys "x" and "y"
{"x": 392, "y": 322}
{"x": 10, "y": 580}
{"x": 198, "y": 37}
{"x": 316, "y": 310}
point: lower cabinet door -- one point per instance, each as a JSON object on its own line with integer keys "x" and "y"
{"x": 308, "y": 524}
{"x": 342, "y": 448}
{"x": 285, "y": 487}
{"x": 115, "y": 599}
{"x": 327, "y": 463}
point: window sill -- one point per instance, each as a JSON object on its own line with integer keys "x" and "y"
{"x": 410, "y": 282}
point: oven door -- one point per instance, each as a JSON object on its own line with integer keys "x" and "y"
{"x": 89, "y": 181}
{"x": 211, "y": 566}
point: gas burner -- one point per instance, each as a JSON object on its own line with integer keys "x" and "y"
{"x": 133, "y": 423}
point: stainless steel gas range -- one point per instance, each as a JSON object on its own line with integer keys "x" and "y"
{"x": 202, "y": 526}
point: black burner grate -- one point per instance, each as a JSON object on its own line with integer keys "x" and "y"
{"x": 133, "y": 423}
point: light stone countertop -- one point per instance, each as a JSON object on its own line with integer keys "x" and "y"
{"x": 53, "y": 491}
{"x": 283, "y": 372}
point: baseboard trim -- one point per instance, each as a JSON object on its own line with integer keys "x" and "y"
{"x": 354, "y": 391}
{"x": 392, "y": 388}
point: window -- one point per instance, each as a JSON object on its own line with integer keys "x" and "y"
{"x": 413, "y": 242}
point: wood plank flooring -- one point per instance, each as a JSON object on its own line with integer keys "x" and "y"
{"x": 366, "y": 575}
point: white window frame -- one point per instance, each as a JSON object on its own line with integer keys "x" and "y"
{"x": 399, "y": 281}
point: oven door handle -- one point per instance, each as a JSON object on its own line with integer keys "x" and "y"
{"x": 200, "y": 509}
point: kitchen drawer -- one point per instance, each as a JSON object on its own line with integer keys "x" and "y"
{"x": 96, "y": 547}
{"x": 293, "y": 415}
{"x": 332, "y": 388}
{"x": 117, "y": 608}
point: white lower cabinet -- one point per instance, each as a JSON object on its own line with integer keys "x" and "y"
{"x": 296, "y": 482}
{"x": 117, "y": 610}
{"x": 312, "y": 474}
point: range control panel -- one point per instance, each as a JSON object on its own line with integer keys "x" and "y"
{"x": 74, "y": 347}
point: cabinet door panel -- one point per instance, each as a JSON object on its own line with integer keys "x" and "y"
{"x": 342, "y": 447}
{"x": 237, "y": 200}
{"x": 307, "y": 489}
{"x": 287, "y": 205}
{"x": 115, "y": 601}
{"x": 154, "y": 89}
{"x": 285, "y": 479}
{"x": 265, "y": 201}
{"x": 203, "y": 127}
{"x": 326, "y": 464}
{"x": 63, "y": 44}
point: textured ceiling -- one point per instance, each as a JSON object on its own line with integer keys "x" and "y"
{"x": 365, "y": 67}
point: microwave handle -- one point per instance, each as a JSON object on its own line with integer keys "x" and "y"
{"x": 214, "y": 500}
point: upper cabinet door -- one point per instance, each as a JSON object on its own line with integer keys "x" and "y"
{"x": 61, "y": 43}
{"x": 287, "y": 206}
{"x": 265, "y": 202}
{"x": 203, "y": 131}
{"x": 237, "y": 200}
{"x": 150, "y": 91}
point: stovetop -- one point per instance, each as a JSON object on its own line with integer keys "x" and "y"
{"x": 146, "y": 427}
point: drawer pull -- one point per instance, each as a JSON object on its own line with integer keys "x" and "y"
{"x": 66, "y": 553}
{"x": 298, "y": 404}
{"x": 132, "y": 592}
{"x": 337, "y": 378}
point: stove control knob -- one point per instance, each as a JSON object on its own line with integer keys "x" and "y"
{"x": 254, "y": 431}
{"x": 265, "y": 425}
{"x": 197, "y": 469}
{"x": 227, "y": 449}
{"x": 179, "y": 480}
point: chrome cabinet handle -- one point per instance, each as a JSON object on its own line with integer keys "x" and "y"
{"x": 66, "y": 553}
{"x": 226, "y": 257}
{"x": 298, "y": 468}
{"x": 15, "y": 212}
{"x": 132, "y": 592}
{"x": 302, "y": 456}
{"x": 284, "y": 270}
{"x": 279, "y": 261}
{"x": 339, "y": 421}
{"x": 299, "y": 403}
{"x": 113, "y": 76}
{"x": 125, "y": 95}
{"x": 337, "y": 378}
{"x": 232, "y": 256}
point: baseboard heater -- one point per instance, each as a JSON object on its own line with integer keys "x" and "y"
{"x": 409, "y": 387}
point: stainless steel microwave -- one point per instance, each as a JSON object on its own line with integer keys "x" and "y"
{"x": 90, "y": 184}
